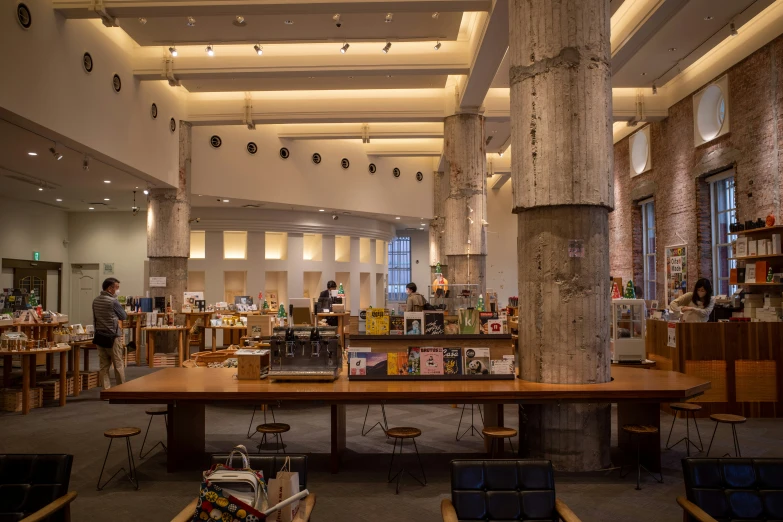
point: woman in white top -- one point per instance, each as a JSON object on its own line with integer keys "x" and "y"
{"x": 695, "y": 306}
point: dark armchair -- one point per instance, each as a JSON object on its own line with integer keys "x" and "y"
{"x": 35, "y": 488}
{"x": 720, "y": 490}
{"x": 269, "y": 465}
{"x": 503, "y": 490}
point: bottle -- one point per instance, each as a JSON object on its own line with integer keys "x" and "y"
{"x": 480, "y": 305}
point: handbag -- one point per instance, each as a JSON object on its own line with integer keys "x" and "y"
{"x": 218, "y": 504}
{"x": 103, "y": 340}
{"x": 244, "y": 484}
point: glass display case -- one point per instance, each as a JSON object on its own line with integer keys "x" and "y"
{"x": 627, "y": 330}
{"x": 451, "y": 298}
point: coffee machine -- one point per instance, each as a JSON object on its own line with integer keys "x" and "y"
{"x": 305, "y": 353}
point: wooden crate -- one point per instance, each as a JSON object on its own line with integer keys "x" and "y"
{"x": 11, "y": 399}
{"x": 165, "y": 360}
{"x": 88, "y": 380}
{"x": 51, "y": 388}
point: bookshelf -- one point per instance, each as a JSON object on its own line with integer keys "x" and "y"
{"x": 773, "y": 229}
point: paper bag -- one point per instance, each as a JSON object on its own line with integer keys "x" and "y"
{"x": 283, "y": 486}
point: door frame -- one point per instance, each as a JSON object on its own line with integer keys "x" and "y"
{"x": 40, "y": 265}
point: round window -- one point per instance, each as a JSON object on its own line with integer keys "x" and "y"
{"x": 640, "y": 148}
{"x": 711, "y": 112}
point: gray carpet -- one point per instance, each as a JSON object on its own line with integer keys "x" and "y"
{"x": 359, "y": 491}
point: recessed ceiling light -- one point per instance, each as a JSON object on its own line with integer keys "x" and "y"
{"x": 91, "y": 208}
{"x": 225, "y": 201}
{"x": 424, "y": 224}
{"x": 389, "y": 18}
{"x": 708, "y": 18}
{"x": 191, "y": 21}
{"x": 644, "y": 74}
{"x": 344, "y": 48}
{"x": 289, "y": 22}
{"x": 32, "y": 153}
{"x": 173, "y": 51}
{"x": 107, "y": 181}
{"x": 259, "y": 50}
{"x": 58, "y": 199}
{"x": 421, "y": 229}
{"x": 435, "y": 15}
{"x": 106, "y": 199}
{"x": 40, "y": 189}
{"x": 210, "y": 51}
{"x": 397, "y": 217}
{"x": 321, "y": 210}
{"x": 672, "y": 49}
{"x": 437, "y": 46}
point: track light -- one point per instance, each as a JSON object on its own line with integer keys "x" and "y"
{"x": 344, "y": 48}
{"x": 191, "y": 21}
{"x": 210, "y": 51}
{"x": 386, "y": 47}
{"x": 173, "y": 51}
{"x": 437, "y": 46}
{"x": 337, "y": 20}
{"x": 142, "y": 20}
{"x": 435, "y": 15}
{"x": 40, "y": 189}
{"x": 655, "y": 88}
{"x": 500, "y": 154}
{"x": 239, "y": 21}
{"x": 389, "y": 18}
{"x": 86, "y": 163}
{"x": 57, "y": 155}
{"x": 259, "y": 49}
{"x": 733, "y": 29}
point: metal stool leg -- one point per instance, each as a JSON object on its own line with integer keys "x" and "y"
{"x": 638, "y": 465}
{"x": 671, "y": 430}
{"x": 391, "y": 462}
{"x": 132, "y": 476}
{"x": 712, "y": 439}
{"x": 420, "y": 464}
{"x": 384, "y": 426}
{"x": 701, "y": 444}
{"x": 472, "y": 428}
{"x": 250, "y": 435}
{"x": 159, "y": 443}
{"x": 131, "y": 464}
{"x": 282, "y": 444}
{"x": 511, "y": 444}
{"x": 736, "y": 441}
{"x": 98, "y": 486}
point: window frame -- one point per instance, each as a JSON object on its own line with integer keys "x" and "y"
{"x": 399, "y": 268}
{"x": 731, "y": 216}
{"x": 649, "y": 280}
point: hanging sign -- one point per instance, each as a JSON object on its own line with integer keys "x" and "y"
{"x": 157, "y": 282}
{"x": 676, "y": 271}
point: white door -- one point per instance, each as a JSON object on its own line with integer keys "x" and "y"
{"x": 84, "y": 288}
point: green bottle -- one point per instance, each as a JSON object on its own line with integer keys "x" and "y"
{"x": 480, "y": 305}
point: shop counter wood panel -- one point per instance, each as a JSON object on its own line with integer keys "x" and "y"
{"x": 186, "y": 391}
{"x": 744, "y": 362}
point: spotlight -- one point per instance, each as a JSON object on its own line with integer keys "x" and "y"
{"x": 106, "y": 199}
{"x": 733, "y": 29}
{"x": 386, "y": 47}
{"x": 40, "y": 189}
{"x": 389, "y": 18}
{"x": 142, "y": 20}
{"x": 57, "y": 155}
{"x": 344, "y": 48}
{"x": 86, "y": 163}
{"x": 191, "y": 21}
{"x": 397, "y": 218}
{"x": 225, "y": 201}
{"x": 321, "y": 210}
{"x": 437, "y": 46}
{"x": 251, "y": 126}
{"x": 91, "y": 208}
{"x": 173, "y": 51}
{"x": 337, "y": 21}
{"x": 59, "y": 200}
{"x": 259, "y": 49}
{"x": 239, "y": 21}
{"x": 107, "y": 181}
{"x": 146, "y": 192}
{"x": 32, "y": 153}
{"x": 335, "y": 217}
{"x": 435, "y": 15}
{"x": 500, "y": 155}
{"x": 209, "y": 50}
{"x": 655, "y": 88}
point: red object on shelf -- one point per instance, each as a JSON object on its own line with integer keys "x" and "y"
{"x": 771, "y": 220}
{"x": 739, "y": 319}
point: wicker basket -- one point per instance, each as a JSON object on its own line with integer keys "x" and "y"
{"x": 205, "y": 358}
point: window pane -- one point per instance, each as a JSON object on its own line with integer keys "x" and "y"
{"x": 651, "y": 268}
{"x": 723, "y": 228}
{"x": 399, "y": 268}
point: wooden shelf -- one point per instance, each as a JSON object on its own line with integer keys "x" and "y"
{"x": 761, "y": 284}
{"x": 750, "y": 258}
{"x": 776, "y": 228}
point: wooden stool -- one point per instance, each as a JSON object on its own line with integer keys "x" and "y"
{"x": 689, "y": 409}
{"x": 496, "y": 434}
{"x": 639, "y": 430}
{"x": 263, "y": 407}
{"x": 401, "y": 434}
{"x": 727, "y": 418}
{"x": 153, "y": 412}
{"x": 120, "y": 433}
{"x": 273, "y": 428}
{"x": 384, "y": 426}
{"x": 472, "y": 428}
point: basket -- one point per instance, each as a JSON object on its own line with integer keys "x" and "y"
{"x": 11, "y": 399}
{"x": 204, "y": 359}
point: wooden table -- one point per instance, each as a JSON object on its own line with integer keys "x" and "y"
{"x": 638, "y": 394}
{"x": 29, "y": 370}
{"x": 234, "y": 334}
{"x": 342, "y": 321}
{"x": 150, "y": 332}
{"x": 190, "y": 321}
{"x": 133, "y": 323}
{"x": 73, "y": 362}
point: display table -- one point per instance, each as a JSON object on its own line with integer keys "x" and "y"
{"x": 150, "y": 332}
{"x": 744, "y": 361}
{"x": 234, "y": 334}
{"x": 343, "y": 320}
{"x": 73, "y": 362}
{"x": 638, "y": 393}
{"x": 29, "y": 371}
{"x": 191, "y": 318}
{"x": 133, "y": 323}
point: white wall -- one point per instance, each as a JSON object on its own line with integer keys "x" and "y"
{"x": 45, "y": 83}
{"x": 231, "y": 172}
{"x": 501, "y": 243}
{"x": 31, "y": 227}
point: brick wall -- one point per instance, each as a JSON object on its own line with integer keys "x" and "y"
{"x": 753, "y": 147}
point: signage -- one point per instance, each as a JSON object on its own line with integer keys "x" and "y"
{"x": 36, "y": 256}
{"x": 157, "y": 282}
{"x": 672, "y": 337}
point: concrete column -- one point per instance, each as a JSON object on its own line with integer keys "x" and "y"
{"x": 168, "y": 228}
{"x": 465, "y": 237}
{"x": 562, "y": 192}
{"x": 438, "y": 223}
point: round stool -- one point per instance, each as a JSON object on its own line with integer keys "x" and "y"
{"x": 273, "y": 428}
{"x": 689, "y": 409}
{"x": 638, "y": 431}
{"x": 120, "y": 433}
{"x": 401, "y": 434}
{"x": 727, "y": 418}
{"x": 154, "y": 412}
{"x": 496, "y": 434}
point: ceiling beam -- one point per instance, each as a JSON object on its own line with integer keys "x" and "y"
{"x": 489, "y": 54}
{"x": 345, "y": 131}
{"x": 157, "y": 8}
{"x": 500, "y": 181}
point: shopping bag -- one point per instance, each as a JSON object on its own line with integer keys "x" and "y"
{"x": 283, "y": 486}
{"x": 242, "y": 483}
{"x": 217, "y": 504}
{"x": 469, "y": 322}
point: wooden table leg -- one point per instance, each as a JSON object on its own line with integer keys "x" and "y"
{"x": 33, "y": 369}
{"x": 70, "y": 359}
{"x": 185, "y": 436}
{"x": 214, "y": 339}
{"x": 8, "y": 366}
{"x": 150, "y": 347}
{"x": 180, "y": 345}
{"x": 137, "y": 340}
{"x": 50, "y": 365}
{"x": 648, "y": 413}
{"x": 75, "y": 359}
{"x": 86, "y": 359}
{"x": 26, "y": 384}
{"x": 338, "y": 436}
{"x": 64, "y": 377}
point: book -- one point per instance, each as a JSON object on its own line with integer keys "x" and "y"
{"x": 377, "y": 322}
{"x": 504, "y": 366}
{"x": 397, "y": 363}
{"x": 431, "y": 361}
{"x": 476, "y": 361}
{"x": 742, "y": 247}
{"x": 750, "y": 273}
{"x": 357, "y": 365}
{"x": 752, "y": 248}
{"x": 495, "y": 326}
{"x": 741, "y": 274}
{"x": 414, "y": 322}
{"x": 396, "y": 325}
{"x": 434, "y": 323}
{"x": 375, "y": 363}
{"x": 484, "y": 318}
{"x": 451, "y": 325}
{"x": 414, "y": 361}
{"x": 452, "y": 361}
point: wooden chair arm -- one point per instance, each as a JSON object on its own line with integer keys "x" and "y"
{"x": 447, "y": 511}
{"x": 566, "y": 515}
{"x": 694, "y": 510}
{"x": 303, "y": 515}
{"x": 186, "y": 515}
{"x": 51, "y": 508}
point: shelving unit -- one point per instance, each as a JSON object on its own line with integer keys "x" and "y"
{"x": 773, "y": 259}
{"x": 773, "y": 229}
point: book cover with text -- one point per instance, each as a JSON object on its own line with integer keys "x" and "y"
{"x": 414, "y": 323}
{"x": 476, "y": 361}
{"x": 414, "y": 361}
{"x": 434, "y": 323}
{"x": 452, "y": 361}
{"x": 431, "y": 361}
{"x": 396, "y": 325}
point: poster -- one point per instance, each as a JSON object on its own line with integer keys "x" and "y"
{"x": 672, "y": 337}
{"x": 676, "y": 272}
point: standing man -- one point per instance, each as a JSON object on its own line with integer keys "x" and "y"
{"x": 107, "y": 312}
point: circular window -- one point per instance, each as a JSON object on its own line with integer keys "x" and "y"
{"x": 252, "y": 148}
{"x": 87, "y": 62}
{"x": 316, "y": 158}
{"x": 396, "y": 172}
{"x": 23, "y": 16}
{"x": 640, "y": 151}
{"x": 711, "y": 112}
{"x": 215, "y": 141}
{"x": 154, "y": 111}
{"x": 373, "y": 169}
{"x": 345, "y": 163}
{"x": 116, "y": 83}
{"x": 284, "y": 153}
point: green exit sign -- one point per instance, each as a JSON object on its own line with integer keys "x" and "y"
{"x": 36, "y": 256}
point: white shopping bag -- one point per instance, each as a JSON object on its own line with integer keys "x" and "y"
{"x": 282, "y": 487}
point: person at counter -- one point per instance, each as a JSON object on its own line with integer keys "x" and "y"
{"x": 695, "y": 306}
{"x": 325, "y": 301}
{"x": 415, "y": 301}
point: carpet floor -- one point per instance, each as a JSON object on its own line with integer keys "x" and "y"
{"x": 359, "y": 491}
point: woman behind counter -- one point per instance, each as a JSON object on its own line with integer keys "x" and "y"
{"x": 695, "y": 306}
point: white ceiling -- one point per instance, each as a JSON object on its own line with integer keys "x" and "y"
{"x": 317, "y": 83}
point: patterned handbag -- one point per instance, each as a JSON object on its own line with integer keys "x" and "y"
{"x": 216, "y": 504}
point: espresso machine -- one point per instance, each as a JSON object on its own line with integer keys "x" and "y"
{"x": 305, "y": 353}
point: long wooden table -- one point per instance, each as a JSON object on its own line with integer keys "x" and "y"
{"x": 29, "y": 371}
{"x": 186, "y": 391}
